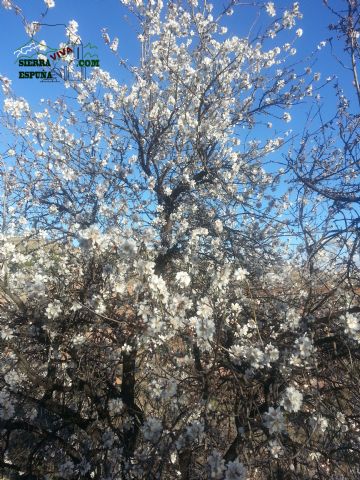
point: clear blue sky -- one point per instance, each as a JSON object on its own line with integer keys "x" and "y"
{"x": 93, "y": 15}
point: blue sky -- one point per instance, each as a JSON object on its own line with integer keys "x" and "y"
{"x": 93, "y": 15}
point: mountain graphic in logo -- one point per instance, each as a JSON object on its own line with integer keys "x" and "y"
{"x": 90, "y": 51}
{"x": 32, "y": 49}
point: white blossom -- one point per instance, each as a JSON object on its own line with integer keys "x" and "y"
{"x": 152, "y": 429}
{"x": 32, "y": 28}
{"x": 204, "y": 309}
{"x": 275, "y": 448}
{"x": 183, "y": 279}
{"x": 240, "y": 274}
{"x": 195, "y": 431}
{"x": 352, "y": 323}
{"x": 274, "y": 420}
{"x": 16, "y": 108}
{"x": 116, "y": 406}
{"x": 216, "y": 464}
{"x": 319, "y": 423}
{"x": 235, "y": 470}
{"x": 72, "y": 32}
{"x": 114, "y": 44}
{"x": 287, "y": 117}
{"x": 292, "y": 399}
{"x": 6, "y": 333}
{"x": 270, "y": 9}
{"x": 218, "y": 226}
{"x": 54, "y": 309}
{"x": 7, "y": 4}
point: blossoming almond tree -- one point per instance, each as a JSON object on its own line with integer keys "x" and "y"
{"x": 152, "y": 324}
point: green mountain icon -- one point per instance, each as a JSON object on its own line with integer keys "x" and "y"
{"x": 91, "y": 51}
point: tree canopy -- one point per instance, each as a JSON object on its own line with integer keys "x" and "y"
{"x": 156, "y": 322}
